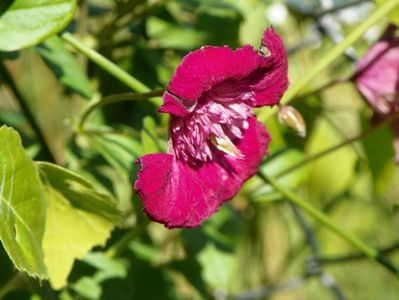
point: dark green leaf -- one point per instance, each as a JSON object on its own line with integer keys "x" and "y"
{"x": 65, "y": 66}
{"x": 380, "y": 155}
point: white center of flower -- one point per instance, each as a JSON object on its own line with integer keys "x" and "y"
{"x": 215, "y": 126}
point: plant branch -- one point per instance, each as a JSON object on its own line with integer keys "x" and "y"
{"x": 267, "y": 291}
{"x": 323, "y": 87}
{"x": 330, "y": 150}
{"x": 328, "y": 223}
{"x": 314, "y": 265}
{"x": 356, "y": 256}
{"x": 109, "y": 131}
{"x": 114, "y": 99}
{"x": 106, "y": 64}
{"x": 331, "y": 56}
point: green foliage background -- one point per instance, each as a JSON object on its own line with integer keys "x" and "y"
{"x": 71, "y": 226}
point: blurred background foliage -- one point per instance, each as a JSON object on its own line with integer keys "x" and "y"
{"x": 258, "y": 246}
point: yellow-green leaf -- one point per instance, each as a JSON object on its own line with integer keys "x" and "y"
{"x": 22, "y": 209}
{"x": 78, "y": 218}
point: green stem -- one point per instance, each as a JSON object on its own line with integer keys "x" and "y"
{"x": 113, "y": 99}
{"x": 123, "y": 243}
{"x": 322, "y": 88}
{"x": 327, "y": 222}
{"x": 359, "y": 137}
{"x": 109, "y": 131}
{"x": 106, "y": 64}
{"x": 381, "y": 12}
{"x": 17, "y": 281}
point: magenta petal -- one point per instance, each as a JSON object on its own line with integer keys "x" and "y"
{"x": 179, "y": 195}
{"x": 274, "y": 82}
{"x": 229, "y": 64}
{"x": 175, "y": 106}
{"x": 208, "y": 66}
{"x": 176, "y": 194}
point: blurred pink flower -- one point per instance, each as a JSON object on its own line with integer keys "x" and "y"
{"x": 378, "y": 73}
{"x": 377, "y": 77}
{"x": 215, "y": 142}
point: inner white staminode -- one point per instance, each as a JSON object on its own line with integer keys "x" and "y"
{"x": 214, "y": 126}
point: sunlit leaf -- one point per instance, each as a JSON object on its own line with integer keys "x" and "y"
{"x": 88, "y": 288}
{"x": 107, "y": 267}
{"x": 65, "y": 66}
{"x": 330, "y": 175}
{"x": 169, "y": 35}
{"x": 254, "y": 22}
{"x": 24, "y": 23}
{"x": 274, "y": 166}
{"x": 22, "y": 209}
{"x": 217, "y": 266}
{"x": 78, "y": 218}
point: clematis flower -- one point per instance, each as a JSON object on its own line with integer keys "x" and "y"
{"x": 378, "y": 73}
{"x": 377, "y": 77}
{"x": 215, "y": 142}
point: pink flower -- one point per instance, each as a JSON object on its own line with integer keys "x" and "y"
{"x": 215, "y": 142}
{"x": 378, "y": 73}
{"x": 377, "y": 78}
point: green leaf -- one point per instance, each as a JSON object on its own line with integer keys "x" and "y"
{"x": 28, "y": 22}
{"x": 65, "y": 66}
{"x": 119, "y": 151}
{"x": 169, "y": 35}
{"x": 107, "y": 267}
{"x": 78, "y": 218}
{"x": 251, "y": 29}
{"x": 149, "y": 137}
{"x": 280, "y": 162}
{"x": 217, "y": 266}
{"x": 79, "y": 191}
{"x": 379, "y": 149}
{"x": 88, "y": 288}
{"x": 22, "y": 209}
{"x": 329, "y": 175}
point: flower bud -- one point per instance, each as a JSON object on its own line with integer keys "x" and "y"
{"x": 292, "y": 118}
